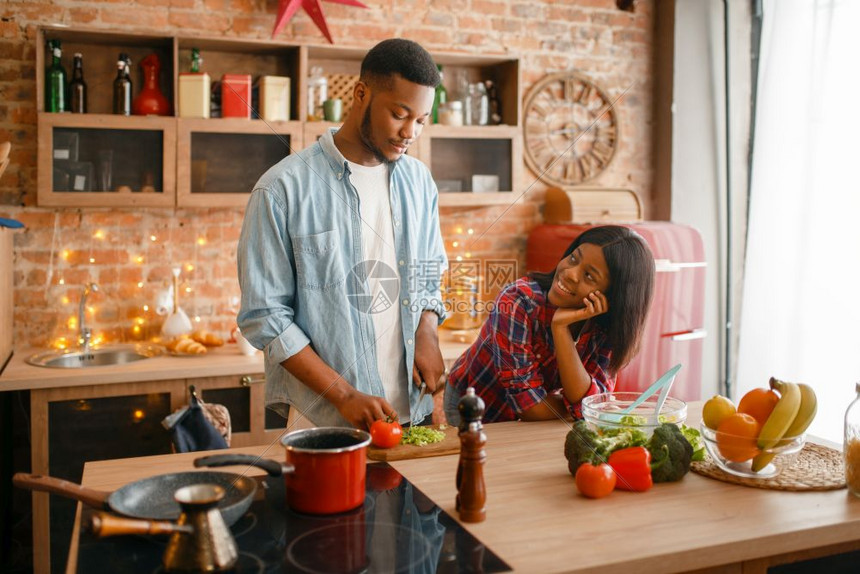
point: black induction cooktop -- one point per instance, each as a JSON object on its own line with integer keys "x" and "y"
{"x": 397, "y": 530}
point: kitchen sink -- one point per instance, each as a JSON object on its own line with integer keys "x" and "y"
{"x": 98, "y": 357}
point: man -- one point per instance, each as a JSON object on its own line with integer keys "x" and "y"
{"x": 340, "y": 256}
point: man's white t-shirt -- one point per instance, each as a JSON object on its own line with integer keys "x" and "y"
{"x": 377, "y": 239}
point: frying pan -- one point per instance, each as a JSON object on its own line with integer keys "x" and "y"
{"x": 150, "y": 498}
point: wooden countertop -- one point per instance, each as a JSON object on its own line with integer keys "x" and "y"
{"x": 537, "y": 522}
{"x": 221, "y": 361}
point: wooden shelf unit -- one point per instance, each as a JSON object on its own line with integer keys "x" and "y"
{"x": 494, "y": 150}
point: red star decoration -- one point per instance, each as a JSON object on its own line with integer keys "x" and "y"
{"x": 288, "y": 8}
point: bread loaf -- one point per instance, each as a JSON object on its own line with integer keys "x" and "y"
{"x": 186, "y": 346}
{"x": 207, "y": 338}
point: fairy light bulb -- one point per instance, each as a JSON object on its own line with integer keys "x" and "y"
{"x": 146, "y": 307}
{"x": 139, "y": 259}
{"x": 99, "y": 234}
{"x": 153, "y": 238}
{"x": 459, "y": 230}
{"x": 470, "y": 231}
{"x": 201, "y": 241}
{"x": 66, "y": 254}
{"x": 92, "y": 259}
{"x": 456, "y": 244}
{"x": 189, "y": 267}
{"x": 140, "y": 284}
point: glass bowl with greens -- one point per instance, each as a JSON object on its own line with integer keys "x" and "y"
{"x": 607, "y": 411}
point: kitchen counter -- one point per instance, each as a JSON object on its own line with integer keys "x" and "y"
{"x": 220, "y": 361}
{"x": 537, "y": 522}
{"x": 221, "y": 368}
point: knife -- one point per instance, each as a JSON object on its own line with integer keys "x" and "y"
{"x": 422, "y": 392}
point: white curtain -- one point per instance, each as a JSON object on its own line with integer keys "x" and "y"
{"x": 800, "y": 318}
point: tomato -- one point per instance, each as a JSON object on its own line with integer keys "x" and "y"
{"x": 737, "y": 437}
{"x": 759, "y": 403}
{"x": 382, "y": 477}
{"x": 385, "y": 434}
{"x": 595, "y": 481}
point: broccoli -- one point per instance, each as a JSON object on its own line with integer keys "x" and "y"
{"x": 671, "y": 453}
{"x": 583, "y": 444}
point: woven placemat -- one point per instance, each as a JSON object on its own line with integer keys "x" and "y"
{"x": 816, "y": 468}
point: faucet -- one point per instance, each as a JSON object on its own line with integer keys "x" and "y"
{"x": 85, "y": 332}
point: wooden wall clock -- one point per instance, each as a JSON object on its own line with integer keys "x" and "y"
{"x": 571, "y": 129}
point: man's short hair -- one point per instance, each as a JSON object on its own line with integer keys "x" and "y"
{"x": 397, "y": 56}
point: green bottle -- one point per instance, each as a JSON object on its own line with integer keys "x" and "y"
{"x": 441, "y": 96}
{"x": 196, "y": 60}
{"x": 55, "y": 80}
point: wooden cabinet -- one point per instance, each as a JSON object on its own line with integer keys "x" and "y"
{"x": 99, "y": 159}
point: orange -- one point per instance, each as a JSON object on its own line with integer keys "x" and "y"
{"x": 759, "y": 403}
{"x": 737, "y": 437}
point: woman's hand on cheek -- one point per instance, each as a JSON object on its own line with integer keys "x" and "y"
{"x": 595, "y": 304}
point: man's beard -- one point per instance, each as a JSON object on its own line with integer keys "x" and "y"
{"x": 365, "y": 134}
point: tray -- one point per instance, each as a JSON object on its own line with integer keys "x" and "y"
{"x": 817, "y": 468}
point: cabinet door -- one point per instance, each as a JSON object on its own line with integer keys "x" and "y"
{"x": 220, "y": 160}
{"x": 473, "y": 165}
{"x": 102, "y": 160}
{"x": 244, "y": 396}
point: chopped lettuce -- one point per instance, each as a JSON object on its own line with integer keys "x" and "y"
{"x": 420, "y": 436}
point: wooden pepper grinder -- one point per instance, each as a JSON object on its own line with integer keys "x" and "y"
{"x": 471, "y": 491}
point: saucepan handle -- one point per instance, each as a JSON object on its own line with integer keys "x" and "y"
{"x": 273, "y": 468}
{"x": 102, "y": 524}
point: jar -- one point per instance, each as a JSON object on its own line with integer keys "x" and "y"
{"x": 852, "y": 444}
{"x": 317, "y": 94}
{"x": 451, "y": 113}
{"x": 477, "y": 105}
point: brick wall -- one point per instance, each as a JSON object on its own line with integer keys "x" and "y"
{"x": 53, "y": 255}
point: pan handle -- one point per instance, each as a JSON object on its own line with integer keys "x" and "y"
{"x": 91, "y": 497}
{"x": 273, "y": 468}
{"x": 102, "y": 524}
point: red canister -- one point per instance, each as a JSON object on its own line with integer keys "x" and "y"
{"x": 236, "y": 96}
{"x": 330, "y": 466}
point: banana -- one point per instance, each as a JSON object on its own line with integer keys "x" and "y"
{"x": 801, "y": 421}
{"x": 783, "y": 414}
{"x": 808, "y": 408}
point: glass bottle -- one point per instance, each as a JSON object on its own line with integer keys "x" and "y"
{"x": 852, "y": 444}
{"x": 196, "y": 61}
{"x": 55, "y": 80}
{"x": 122, "y": 86}
{"x": 478, "y": 107}
{"x": 441, "y": 96}
{"x": 78, "y": 87}
{"x": 317, "y": 94}
{"x": 495, "y": 105}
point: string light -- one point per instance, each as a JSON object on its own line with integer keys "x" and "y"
{"x": 139, "y": 259}
{"x": 153, "y": 238}
{"x": 66, "y": 254}
{"x": 189, "y": 267}
{"x": 140, "y": 284}
{"x": 63, "y": 282}
{"x": 92, "y": 259}
{"x": 146, "y": 307}
{"x": 456, "y": 244}
{"x": 201, "y": 241}
{"x": 470, "y": 231}
{"x": 99, "y": 234}
{"x": 65, "y": 299}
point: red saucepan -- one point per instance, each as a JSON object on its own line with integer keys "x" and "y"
{"x": 325, "y": 468}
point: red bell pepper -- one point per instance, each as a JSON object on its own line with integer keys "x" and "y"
{"x": 633, "y": 468}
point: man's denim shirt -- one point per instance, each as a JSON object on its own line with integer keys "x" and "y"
{"x": 297, "y": 256}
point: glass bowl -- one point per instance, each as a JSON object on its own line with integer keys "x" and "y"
{"x": 603, "y": 411}
{"x": 784, "y": 454}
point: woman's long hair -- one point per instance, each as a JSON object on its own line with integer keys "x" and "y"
{"x": 631, "y": 286}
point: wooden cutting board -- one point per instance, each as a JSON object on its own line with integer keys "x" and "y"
{"x": 449, "y": 445}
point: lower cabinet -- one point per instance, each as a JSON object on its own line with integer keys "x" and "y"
{"x": 73, "y": 425}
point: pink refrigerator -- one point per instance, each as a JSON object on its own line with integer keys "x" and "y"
{"x": 674, "y": 330}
